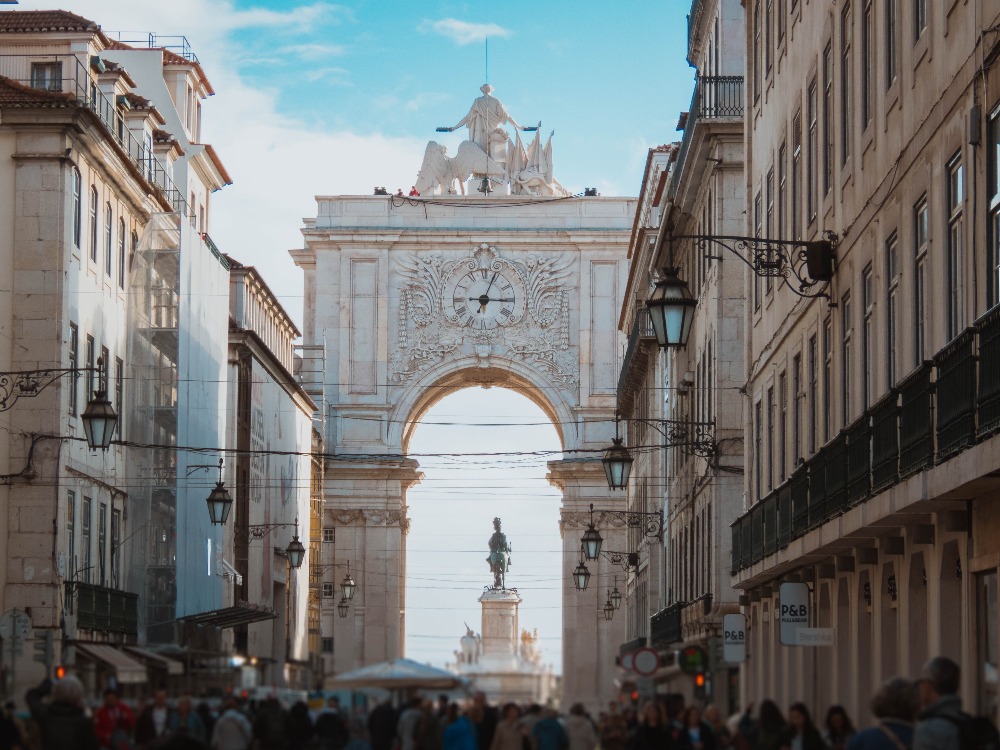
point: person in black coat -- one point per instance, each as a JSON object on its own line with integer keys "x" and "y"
{"x": 801, "y": 727}
{"x": 63, "y": 723}
{"x": 651, "y": 733}
{"x": 382, "y": 726}
{"x": 694, "y": 734}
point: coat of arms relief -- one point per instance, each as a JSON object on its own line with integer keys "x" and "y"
{"x": 487, "y": 305}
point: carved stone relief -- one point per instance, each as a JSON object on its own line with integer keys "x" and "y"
{"x": 361, "y": 517}
{"x": 534, "y": 331}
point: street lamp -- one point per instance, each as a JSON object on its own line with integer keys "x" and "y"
{"x": 609, "y": 609}
{"x": 342, "y": 607}
{"x": 581, "y": 577}
{"x": 347, "y": 586}
{"x": 617, "y": 463}
{"x": 592, "y": 540}
{"x": 615, "y": 597}
{"x": 296, "y": 551}
{"x": 99, "y": 418}
{"x": 671, "y": 310}
{"x": 219, "y": 501}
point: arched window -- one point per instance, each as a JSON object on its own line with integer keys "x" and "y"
{"x": 121, "y": 253}
{"x": 77, "y": 206}
{"x": 93, "y": 223}
{"x": 108, "y": 243}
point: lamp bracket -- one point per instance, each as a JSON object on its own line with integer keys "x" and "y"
{"x": 801, "y": 264}
{"x": 697, "y": 437}
{"x": 29, "y": 383}
{"x": 624, "y": 560}
{"x": 650, "y": 522}
{"x": 261, "y": 530}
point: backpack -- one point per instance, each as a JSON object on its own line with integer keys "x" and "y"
{"x": 975, "y": 732}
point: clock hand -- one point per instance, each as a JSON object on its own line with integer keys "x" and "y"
{"x": 487, "y": 292}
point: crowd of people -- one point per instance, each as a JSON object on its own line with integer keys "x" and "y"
{"x": 922, "y": 714}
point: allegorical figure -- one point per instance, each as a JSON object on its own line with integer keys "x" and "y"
{"x": 499, "y": 558}
{"x": 486, "y": 115}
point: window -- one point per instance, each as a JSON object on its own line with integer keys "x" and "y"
{"x": 116, "y": 541}
{"x": 104, "y": 363}
{"x": 77, "y": 206}
{"x": 85, "y": 538}
{"x": 769, "y": 229}
{"x": 867, "y": 336}
{"x": 891, "y": 45}
{"x": 758, "y": 218}
{"x": 812, "y": 150}
{"x": 768, "y": 42}
{"x": 102, "y": 541}
{"x": 71, "y": 535}
{"x": 90, "y": 353}
{"x": 782, "y": 191}
{"x": 796, "y": 409}
{"x": 122, "y": 239}
{"x": 782, "y": 425}
{"x": 846, "y": 77}
{"x": 326, "y": 644}
{"x": 919, "y": 18}
{"x": 756, "y": 51}
{"x": 813, "y": 394}
{"x": 920, "y": 242}
{"x": 119, "y": 394}
{"x": 328, "y": 590}
{"x": 846, "y": 354}
{"x": 329, "y": 534}
{"x": 108, "y": 239}
{"x": 780, "y": 17}
{"x": 891, "y": 308}
{"x": 74, "y": 345}
{"x": 993, "y": 190}
{"x": 828, "y": 378}
{"x": 956, "y": 318}
{"x": 867, "y": 63}
{"x": 795, "y": 208}
{"x": 827, "y": 119}
{"x": 46, "y": 75}
{"x": 758, "y": 449}
{"x": 770, "y": 438}
{"x": 93, "y": 223}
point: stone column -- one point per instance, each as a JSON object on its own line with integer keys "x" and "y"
{"x": 590, "y": 643}
{"x": 365, "y": 501}
{"x": 500, "y": 626}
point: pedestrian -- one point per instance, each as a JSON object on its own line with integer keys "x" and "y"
{"x": 652, "y": 732}
{"x": 720, "y": 732}
{"x": 612, "y": 731}
{"x": 484, "y": 718}
{"x": 300, "y": 726}
{"x": 895, "y": 705}
{"x": 62, "y": 722}
{"x": 185, "y": 721}
{"x": 839, "y": 728}
{"x": 801, "y": 733}
{"x": 204, "y": 712}
{"x": 11, "y": 735}
{"x": 695, "y": 734}
{"x": 331, "y": 729}
{"x": 549, "y": 733}
{"x": 428, "y": 734}
{"x": 154, "y": 721}
{"x": 532, "y": 715}
{"x": 459, "y": 734}
{"x": 270, "y": 726}
{"x": 767, "y": 731}
{"x": 382, "y": 726}
{"x": 232, "y": 730}
{"x": 407, "y": 722}
{"x": 940, "y": 706}
{"x": 509, "y": 734}
{"x": 114, "y": 722}
{"x": 580, "y": 729}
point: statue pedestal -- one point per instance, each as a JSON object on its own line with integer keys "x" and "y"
{"x": 500, "y": 627}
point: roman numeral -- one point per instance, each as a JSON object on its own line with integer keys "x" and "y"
{"x": 505, "y": 288}
{"x": 460, "y": 311}
{"x": 506, "y": 313}
{"x": 468, "y": 321}
{"x": 486, "y": 274}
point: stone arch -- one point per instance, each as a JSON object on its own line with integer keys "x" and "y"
{"x": 437, "y": 382}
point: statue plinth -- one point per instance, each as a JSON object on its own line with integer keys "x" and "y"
{"x": 500, "y": 625}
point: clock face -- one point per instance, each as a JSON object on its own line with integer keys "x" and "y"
{"x": 484, "y": 298}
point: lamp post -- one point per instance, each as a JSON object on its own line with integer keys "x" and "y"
{"x": 671, "y": 310}
{"x": 617, "y": 464}
{"x": 581, "y": 576}
{"x": 296, "y": 550}
{"x": 220, "y": 503}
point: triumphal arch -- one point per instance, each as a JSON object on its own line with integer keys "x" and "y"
{"x": 494, "y": 275}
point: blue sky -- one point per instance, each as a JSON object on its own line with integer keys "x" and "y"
{"x": 317, "y": 98}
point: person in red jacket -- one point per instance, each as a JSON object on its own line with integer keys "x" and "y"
{"x": 114, "y": 722}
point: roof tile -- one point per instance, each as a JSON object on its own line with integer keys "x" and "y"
{"x": 14, "y": 94}
{"x": 29, "y": 21}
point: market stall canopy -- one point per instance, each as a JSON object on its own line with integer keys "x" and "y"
{"x": 398, "y": 674}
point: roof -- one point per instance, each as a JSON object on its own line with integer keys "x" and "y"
{"x": 229, "y": 617}
{"x": 14, "y": 94}
{"x": 169, "y": 58}
{"x": 36, "y": 21}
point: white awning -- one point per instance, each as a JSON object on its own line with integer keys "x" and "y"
{"x": 127, "y": 669}
{"x": 159, "y": 660}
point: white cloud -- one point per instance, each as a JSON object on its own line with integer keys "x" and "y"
{"x": 463, "y": 32}
{"x": 314, "y": 52}
{"x": 301, "y": 17}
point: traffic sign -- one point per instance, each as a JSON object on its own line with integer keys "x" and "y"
{"x": 628, "y": 662}
{"x": 645, "y": 662}
{"x": 14, "y": 623}
{"x": 734, "y": 638}
{"x": 793, "y": 610}
{"x": 693, "y": 659}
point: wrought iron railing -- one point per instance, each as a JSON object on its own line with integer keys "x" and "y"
{"x": 103, "y": 609}
{"x": 665, "y": 625}
{"x": 939, "y": 410}
{"x": 642, "y": 329}
{"x": 70, "y": 76}
{"x": 721, "y": 96}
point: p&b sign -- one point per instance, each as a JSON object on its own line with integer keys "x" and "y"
{"x": 793, "y": 611}
{"x": 734, "y": 638}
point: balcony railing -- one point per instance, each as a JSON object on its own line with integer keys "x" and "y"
{"x": 67, "y": 74}
{"x": 642, "y": 330}
{"x": 103, "y": 609}
{"x": 665, "y": 626}
{"x": 940, "y": 410}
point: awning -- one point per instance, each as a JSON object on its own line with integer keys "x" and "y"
{"x": 127, "y": 669}
{"x": 230, "y": 617}
{"x": 157, "y": 660}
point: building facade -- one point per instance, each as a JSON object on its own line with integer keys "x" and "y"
{"x": 105, "y": 243}
{"x": 872, "y": 409}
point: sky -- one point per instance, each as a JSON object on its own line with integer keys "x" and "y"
{"x": 320, "y": 98}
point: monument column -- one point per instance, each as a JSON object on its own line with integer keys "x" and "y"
{"x": 590, "y": 643}
{"x": 365, "y": 501}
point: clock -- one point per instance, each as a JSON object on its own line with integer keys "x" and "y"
{"x": 484, "y": 298}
